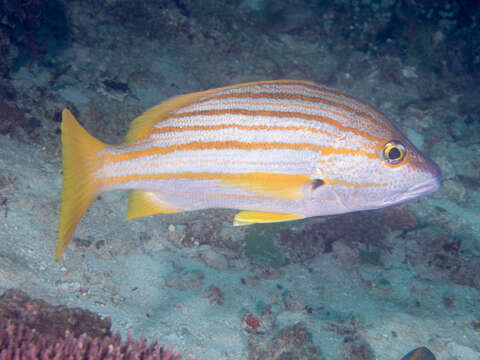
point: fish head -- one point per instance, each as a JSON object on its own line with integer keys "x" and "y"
{"x": 378, "y": 170}
{"x": 403, "y": 173}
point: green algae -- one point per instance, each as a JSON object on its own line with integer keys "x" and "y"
{"x": 370, "y": 257}
{"x": 261, "y": 247}
{"x": 383, "y": 283}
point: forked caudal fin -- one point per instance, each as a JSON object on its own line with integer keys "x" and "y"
{"x": 80, "y": 160}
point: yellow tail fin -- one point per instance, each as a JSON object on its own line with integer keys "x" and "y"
{"x": 80, "y": 158}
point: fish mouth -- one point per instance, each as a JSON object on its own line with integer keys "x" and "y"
{"x": 417, "y": 190}
{"x": 425, "y": 188}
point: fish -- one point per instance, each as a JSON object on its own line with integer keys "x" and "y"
{"x": 420, "y": 353}
{"x": 276, "y": 150}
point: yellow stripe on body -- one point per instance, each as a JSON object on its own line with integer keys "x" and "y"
{"x": 311, "y": 88}
{"x": 174, "y": 129}
{"x": 141, "y": 125}
{"x": 351, "y": 184}
{"x": 333, "y": 95}
{"x": 235, "y": 145}
{"x": 278, "y": 186}
{"x": 362, "y": 112}
{"x": 280, "y": 115}
{"x": 265, "y": 182}
{"x": 235, "y": 104}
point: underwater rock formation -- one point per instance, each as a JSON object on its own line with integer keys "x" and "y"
{"x": 28, "y": 30}
{"x": 18, "y": 308}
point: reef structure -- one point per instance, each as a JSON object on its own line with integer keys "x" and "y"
{"x": 34, "y": 329}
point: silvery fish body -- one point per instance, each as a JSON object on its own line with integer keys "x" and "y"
{"x": 277, "y": 150}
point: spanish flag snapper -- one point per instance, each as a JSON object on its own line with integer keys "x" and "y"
{"x": 276, "y": 150}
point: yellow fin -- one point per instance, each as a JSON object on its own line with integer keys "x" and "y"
{"x": 252, "y": 217}
{"x": 80, "y": 160}
{"x": 144, "y": 203}
{"x": 141, "y": 125}
{"x": 277, "y": 186}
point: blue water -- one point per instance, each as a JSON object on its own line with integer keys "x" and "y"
{"x": 369, "y": 285}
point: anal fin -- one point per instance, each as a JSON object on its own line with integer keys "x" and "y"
{"x": 253, "y": 217}
{"x": 145, "y": 203}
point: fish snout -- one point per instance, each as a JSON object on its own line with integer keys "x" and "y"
{"x": 430, "y": 182}
{"x": 424, "y": 188}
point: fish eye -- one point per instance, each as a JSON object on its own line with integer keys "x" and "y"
{"x": 394, "y": 152}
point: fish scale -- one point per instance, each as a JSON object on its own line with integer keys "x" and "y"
{"x": 276, "y": 150}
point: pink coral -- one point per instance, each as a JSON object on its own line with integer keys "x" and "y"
{"x": 22, "y": 342}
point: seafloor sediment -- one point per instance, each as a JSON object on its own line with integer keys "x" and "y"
{"x": 370, "y": 285}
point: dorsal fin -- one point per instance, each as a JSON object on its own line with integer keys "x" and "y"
{"x": 141, "y": 125}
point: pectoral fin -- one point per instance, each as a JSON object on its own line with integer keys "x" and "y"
{"x": 144, "y": 203}
{"x": 252, "y": 217}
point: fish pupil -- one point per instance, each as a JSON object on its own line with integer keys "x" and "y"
{"x": 394, "y": 154}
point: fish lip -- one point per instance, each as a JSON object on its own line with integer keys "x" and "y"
{"x": 424, "y": 188}
{"x": 427, "y": 187}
